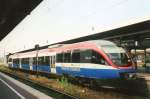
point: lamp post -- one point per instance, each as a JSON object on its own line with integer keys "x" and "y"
{"x": 37, "y": 49}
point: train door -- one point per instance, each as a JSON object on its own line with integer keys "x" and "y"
{"x": 31, "y": 63}
{"x": 52, "y": 64}
{"x": 20, "y": 63}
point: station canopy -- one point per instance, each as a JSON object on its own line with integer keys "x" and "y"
{"x": 136, "y": 34}
{"x": 12, "y": 12}
{"x": 127, "y": 36}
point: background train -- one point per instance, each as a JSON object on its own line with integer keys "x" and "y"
{"x": 98, "y": 59}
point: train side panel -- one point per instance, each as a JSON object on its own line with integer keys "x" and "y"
{"x": 87, "y": 70}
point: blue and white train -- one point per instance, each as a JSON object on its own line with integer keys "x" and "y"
{"x": 98, "y": 59}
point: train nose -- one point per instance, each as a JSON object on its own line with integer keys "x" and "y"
{"x": 128, "y": 76}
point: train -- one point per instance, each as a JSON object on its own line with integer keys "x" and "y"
{"x": 95, "y": 59}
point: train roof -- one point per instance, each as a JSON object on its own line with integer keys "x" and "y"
{"x": 58, "y": 47}
{"x": 102, "y": 42}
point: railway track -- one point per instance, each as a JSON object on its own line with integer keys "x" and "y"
{"x": 56, "y": 94}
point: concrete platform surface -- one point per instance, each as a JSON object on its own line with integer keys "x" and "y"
{"x": 13, "y": 89}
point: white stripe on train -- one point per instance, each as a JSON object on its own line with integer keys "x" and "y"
{"x": 85, "y": 65}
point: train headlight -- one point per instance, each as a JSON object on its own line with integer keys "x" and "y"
{"x": 128, "y": 76}
{"x": 132, "y": 76}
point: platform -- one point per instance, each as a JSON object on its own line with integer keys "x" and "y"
{"x": 13, "y": 89}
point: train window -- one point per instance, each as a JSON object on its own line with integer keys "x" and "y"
{"x": 67, "y": 57}
{"x": 85, "y": 56}
{"x": 25, "y": 61}
{"x": 59, "y": 57}
{"x": 34, "y": 60}
{"x": 16, "y": 61}
{"x": 43, "y": 60}
{"x": 46, "y": 60}
{"x": 76, "y": 56}
{"x": 97, "y": 58}
{"x": 39, "y": 60}
{"x": 90, "y": 56}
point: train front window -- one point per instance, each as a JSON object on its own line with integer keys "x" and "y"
{"x": 98, "y": 59}
{"x": 116, "y": 54}
{"x": 90, "y": 56}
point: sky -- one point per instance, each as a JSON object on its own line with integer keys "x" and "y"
{"x": 53, "y": 21}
